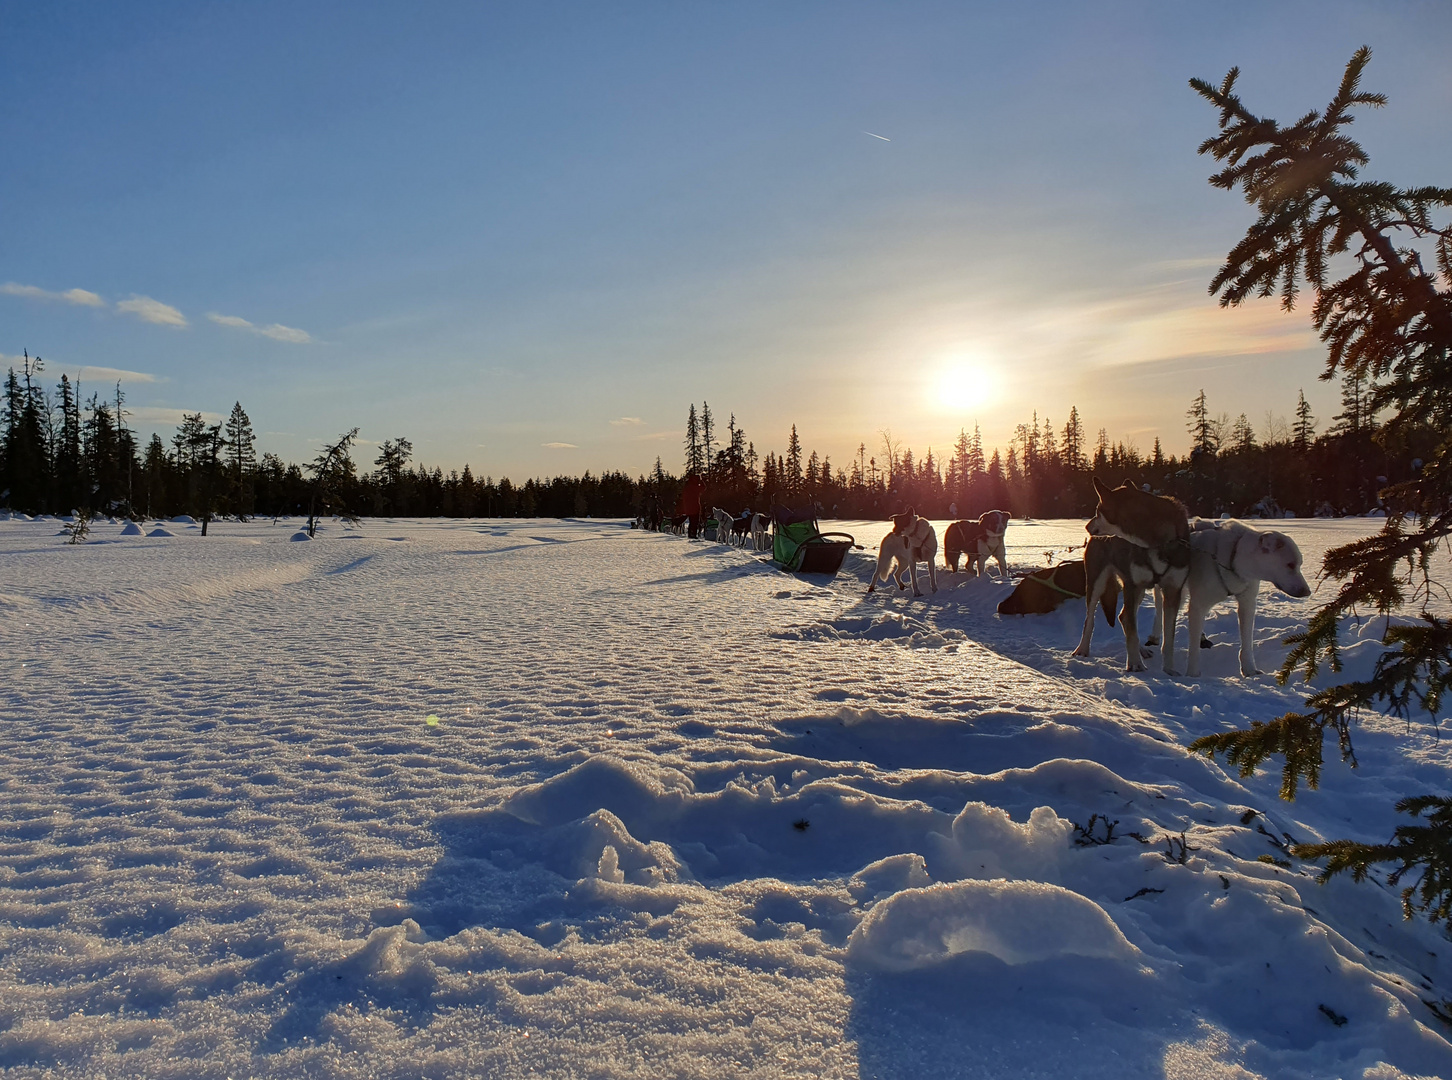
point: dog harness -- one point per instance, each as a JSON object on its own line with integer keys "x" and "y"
{"x": 1051, "y": 583}
{"x": 1221, "y": 571}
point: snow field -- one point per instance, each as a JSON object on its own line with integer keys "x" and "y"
{"x": 557, "y": 798}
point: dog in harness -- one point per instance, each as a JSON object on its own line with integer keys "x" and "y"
{"x": 1231, "y": 559}
{"x": 1143, "y": 542}
{"x": 1044, "y": 590}
{"x": 912, "y": 540}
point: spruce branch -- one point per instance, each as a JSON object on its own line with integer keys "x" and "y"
{"x": 1426, "y": 846}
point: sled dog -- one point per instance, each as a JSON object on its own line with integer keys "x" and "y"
{"x": 740, "y": 527}
{"x": 724, "y": 521}
{"x": 1231, "y": 559}
{"x": 911, "y": 541}
{"x": 1044, "y": 590}
{"x": 1143, "y": 541}
{"x": 979, "y": 540}
{"x": 761, "y": 532}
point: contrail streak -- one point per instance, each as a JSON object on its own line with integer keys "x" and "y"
{"x": 874, "y": 134}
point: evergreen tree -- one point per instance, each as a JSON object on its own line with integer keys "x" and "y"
{"x": 1305, "y": 428}
{"x": 1242, "y": 435}
{"x": 792, "y": 480}
{"x": 1389, "y": 320}
{"x": 706, "y": 435}
{"x": 392, "y": 462}
{"x": 67, "y": 453}
{"x": 100, "y": 448}
{"x": 241, "y": 462}
{"x": 155, "y": 470}
{"x": 695, "y": 456}
{"x": 125, "y": 452}
{"x": 1203, "y": 436}
{"x": 332, "y": 470}
{"x": 207, "y": 463}
{"x": 27, "y": 456}
{"x": 1072, "y": 451}
{"x": 1354, "y": 418}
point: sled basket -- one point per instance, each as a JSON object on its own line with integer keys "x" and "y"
{"x": 802, "y": 549}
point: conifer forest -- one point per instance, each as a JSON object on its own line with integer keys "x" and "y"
{"x": 60, "y": 454}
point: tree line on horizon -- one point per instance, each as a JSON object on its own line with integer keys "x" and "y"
{"x": 59, "y": 456}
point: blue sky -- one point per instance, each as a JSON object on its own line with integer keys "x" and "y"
{"x": 528, "y": 236}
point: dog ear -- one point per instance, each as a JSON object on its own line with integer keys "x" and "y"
{"x": 1129, "y": 483}
{"x": 1100, "y": 488}
{"x": 909, "y": 513}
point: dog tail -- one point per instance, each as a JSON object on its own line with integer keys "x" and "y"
{"x": 1109, "y": 600}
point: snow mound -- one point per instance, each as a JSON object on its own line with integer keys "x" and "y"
{"x": 131, "y": 529}
{"x": 159, "y": 531}
{"x": 301, "y": 534}
{"x": 184, "y": 519}
{"x": 987, "y": 843}
{"x": 1019, "y": 922}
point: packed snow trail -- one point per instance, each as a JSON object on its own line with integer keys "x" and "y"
{"x": 560, "y": 798}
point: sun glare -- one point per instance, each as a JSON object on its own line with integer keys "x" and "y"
{"x": 965, "y": 384}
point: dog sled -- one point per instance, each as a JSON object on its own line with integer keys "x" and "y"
{"x": 799, "y": 545}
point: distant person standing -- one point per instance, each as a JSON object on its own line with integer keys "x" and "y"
{"x": 690, "y": 503}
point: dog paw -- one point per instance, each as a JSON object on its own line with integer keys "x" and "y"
{"x": 1151, "y": 640}
{"x": 1146, "y": 653}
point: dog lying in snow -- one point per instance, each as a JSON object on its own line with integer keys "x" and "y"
{"x": 912, "y": 540}
{"x": 1044, "y": 590}
{"x": 978, "y": 540}
{"x": 1142, "y": 541}
{"x": 1231, "y": 559}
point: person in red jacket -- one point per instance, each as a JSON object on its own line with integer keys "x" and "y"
{"x": 690, "y": 503}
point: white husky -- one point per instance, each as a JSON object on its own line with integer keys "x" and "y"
{"x": 724, "y": 521}
{"x": 1231, "y": 559}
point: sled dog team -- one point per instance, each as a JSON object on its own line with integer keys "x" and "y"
{"x": 1137, "y": 542}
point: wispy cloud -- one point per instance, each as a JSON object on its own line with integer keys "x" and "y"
{"x": 111, "y": 375}
{"x": 153, "y": 311}
{"x": 628, "y": 421}
{"x": 656, "y": 436}
{"x": 559, "y": 446}
{"x": 86, "y": 372}
{"x": 82, "y": 297}
{"x": 151, "y": 414}
{"x": 276, "y": 331}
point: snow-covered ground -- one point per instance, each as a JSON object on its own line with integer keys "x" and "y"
{"x": 514, "y": 798}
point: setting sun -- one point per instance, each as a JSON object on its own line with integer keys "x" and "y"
{"x": 965, "y": 383}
